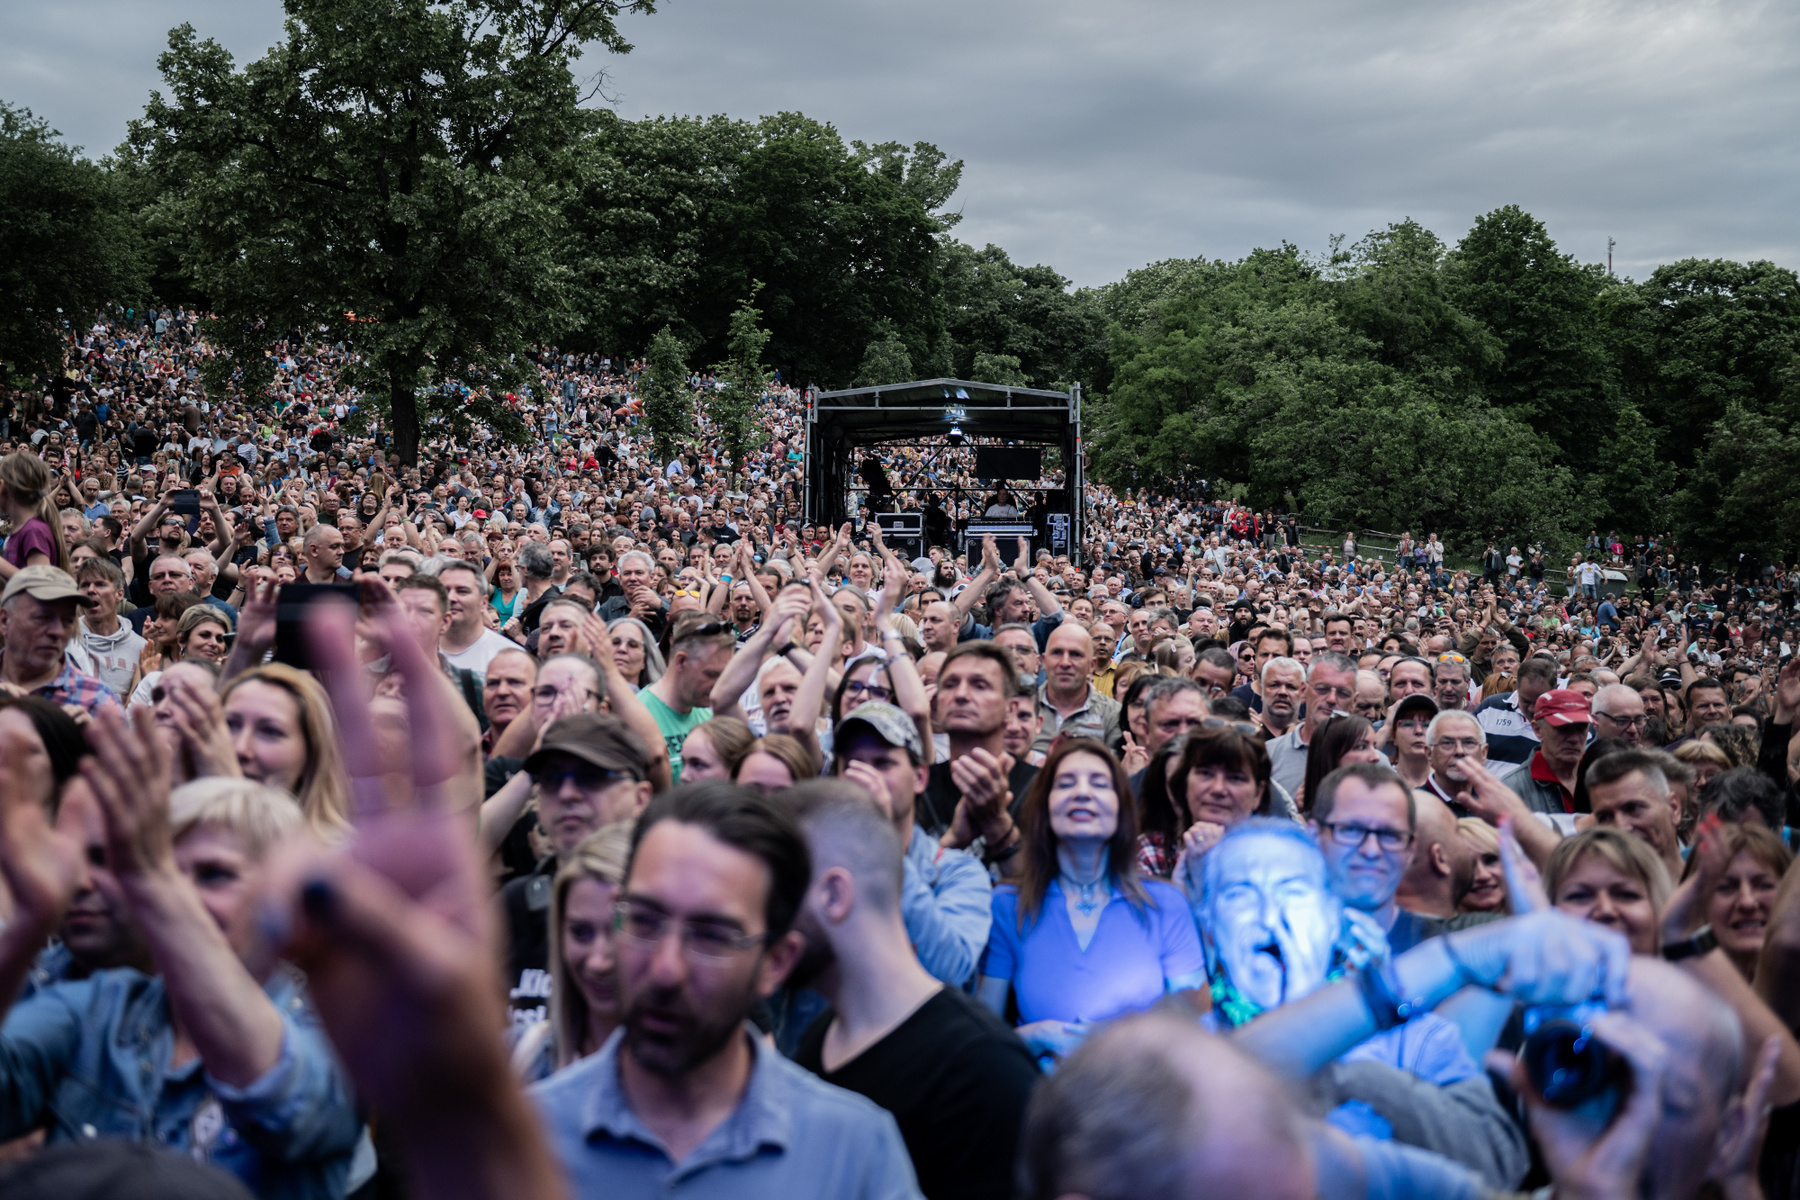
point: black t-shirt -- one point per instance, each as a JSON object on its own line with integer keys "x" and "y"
{"x": 956, "y": 1080}
{"x": 526, "y": 903}
{"x": 936, "y": 805}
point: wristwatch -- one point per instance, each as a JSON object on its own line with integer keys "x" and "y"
{"x": 1704, "y": 941}
{"x": 782, "y": 650}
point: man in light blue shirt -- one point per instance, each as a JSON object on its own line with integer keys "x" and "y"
{"x": 947, "y": 897}
{"x": 685, "y": 1100}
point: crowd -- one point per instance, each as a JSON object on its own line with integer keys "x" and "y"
{"x": 562, "y": 819}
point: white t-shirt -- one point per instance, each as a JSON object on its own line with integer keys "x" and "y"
{"x": 480, "y": 652}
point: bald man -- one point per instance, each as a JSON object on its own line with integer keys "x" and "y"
{"x": 1619, "y": 713}
{"x": 1443, "y": 864}
{"x": 938, "y": 625}
{"x": 1067, "y": 700}
{"x": 1152, "y": 1108}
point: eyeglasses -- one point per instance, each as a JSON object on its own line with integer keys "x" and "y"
{"x": 1623, "y": 722}
{"x": 645, "y": 926}
{"x": 873, "y": 691}
{"x": 1221, "y": 723}
{"x": 709, "y": 629}
{"x": 1352, "y": 835}
{"x": 1451, "y": 656}
{"x": 1461, "y": 745}
{"x": 548, "y": 694}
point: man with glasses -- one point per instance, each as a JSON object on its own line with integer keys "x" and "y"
{"x": 1455, "y": 740}
{"x": 588, "y": 772}
{"x": 1619, "y": 713}
{"x": 1330, "y": 686}
{"x": 685, "y": 1096}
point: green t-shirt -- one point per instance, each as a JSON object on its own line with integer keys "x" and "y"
{"x": 675, "y": 726}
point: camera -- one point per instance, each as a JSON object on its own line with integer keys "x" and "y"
{"x": 1567, "y": 1064}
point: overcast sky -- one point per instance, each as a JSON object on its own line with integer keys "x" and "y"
{"x": 1102, "y": 135}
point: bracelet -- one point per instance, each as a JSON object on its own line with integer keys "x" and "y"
{"x": 1704, "y": 941}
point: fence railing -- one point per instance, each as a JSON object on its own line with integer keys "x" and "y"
{"x": 1384, "y": 547}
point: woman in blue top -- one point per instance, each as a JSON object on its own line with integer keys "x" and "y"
{"x": 1079, "y": 937}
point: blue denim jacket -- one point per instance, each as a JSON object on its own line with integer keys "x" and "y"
{"x": 91, "y": 1058}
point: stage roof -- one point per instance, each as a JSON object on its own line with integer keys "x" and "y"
{"x": 928, "y": 407}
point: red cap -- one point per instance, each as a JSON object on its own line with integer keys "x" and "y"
{"x": 481, "y": 514}
{"x": 1563, "y": 706}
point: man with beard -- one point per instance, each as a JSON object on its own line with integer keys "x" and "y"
{"x": 685, "y": 1098}
{"x": 955, "y": 1078}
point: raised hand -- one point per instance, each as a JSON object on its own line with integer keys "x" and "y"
{"x": 194, "y": 714}
{"x": 42, "y": 866}
{"x": 128, "y": 773}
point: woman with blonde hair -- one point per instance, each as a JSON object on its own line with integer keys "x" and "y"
{"x": 282, "y": 733}
{"x": 34, "y": 528}
{"x": 584, "y": 998}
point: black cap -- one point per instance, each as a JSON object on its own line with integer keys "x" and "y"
{"x": 1415, "y": 703}
{"x": 597, "y": 738}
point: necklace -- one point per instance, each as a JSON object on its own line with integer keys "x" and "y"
{"x": 1088, "y": 896}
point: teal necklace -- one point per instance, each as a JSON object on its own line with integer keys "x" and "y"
{"x": 1088, "y": 896}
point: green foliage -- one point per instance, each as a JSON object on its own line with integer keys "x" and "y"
{"x": 67, "y": 244}
{"x": 997, "y": 368}
{"x": 885, "y": 361}
{"x": 1026, "y": 313}
{"x": 389, "y": 175}
{"x": 672, "y": 219}
{"x": 668, "y": 402}
{"x": 742, "y": 381}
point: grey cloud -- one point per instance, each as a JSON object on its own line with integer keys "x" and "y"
{"x": 1101, "y": 136}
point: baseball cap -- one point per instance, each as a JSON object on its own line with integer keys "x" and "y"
{"x": 597, "y": 738}
{"x": 481, "y": 514}
{"x": 44, "y": 583}
{"x": 1563, "y": 706}
{"x": 1411, "y": 705}
{"x": 885, "y": 722}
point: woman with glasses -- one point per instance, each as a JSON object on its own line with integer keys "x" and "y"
{"x": 584, "y": 998}
{"x": 1080, "y": 937}
{"x": 635, "y": 651}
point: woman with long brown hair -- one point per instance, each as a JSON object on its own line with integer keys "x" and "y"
{"x": 1079, "y": 937}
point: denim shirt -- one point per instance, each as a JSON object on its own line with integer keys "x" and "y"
{"x": 91, "y": 1058}
{"x": 947, "y": 903}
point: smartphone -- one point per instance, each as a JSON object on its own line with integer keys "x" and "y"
{"x": 185, "y": 502}
{"x": 292, "y": 604}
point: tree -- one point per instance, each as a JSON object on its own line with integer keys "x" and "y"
{"x": 672, "y": 219}
{"x": 668, "y": 403}
{"x": 885, "y": 361}
{"x": 1028, "y": 313}
{"x": 742, "y": 382}
{"x": 1720, "y": 333}
{"x": 389, "y": 175}
{"x": 997, "y": 368}
{"x": 68, "y": 247}
{"x": 1557, "y": 372}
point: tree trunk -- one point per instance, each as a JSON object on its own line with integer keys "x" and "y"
{"x": 403, "y": 415}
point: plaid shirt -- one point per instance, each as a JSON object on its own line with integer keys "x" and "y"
{"x": 76, "y": 688}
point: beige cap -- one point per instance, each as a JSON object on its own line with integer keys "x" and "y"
{"x": 44, "y": 583}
